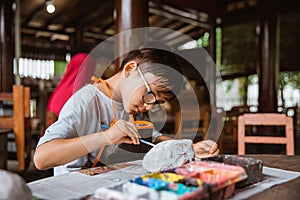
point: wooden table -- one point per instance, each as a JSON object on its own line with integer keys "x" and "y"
{"x": 288, "y": 190}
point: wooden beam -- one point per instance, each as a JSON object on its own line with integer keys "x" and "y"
{"x": 193, "y": 34}
{"x": 104, "y": 9}
{"x": 213, "y": 7}
{"x": 6, "y": 96}
{"x": 237, "y": 75}
{"x": 184, "y": 12}
{"x": 26, "y": 29}
{"x": 33, "y": 13}
{"x": 164, "y": 22}
{"x": 161, "y": 12}
{"x": 178, "y": 33}
{"x": 160, "y": 34}
{"x": 6, "y": 122}
{"x": 99, "y": 36}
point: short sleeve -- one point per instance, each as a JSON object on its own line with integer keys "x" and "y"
{"x": 78, "y": 109}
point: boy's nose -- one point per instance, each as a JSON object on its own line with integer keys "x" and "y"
{"x": 148, "y": 106}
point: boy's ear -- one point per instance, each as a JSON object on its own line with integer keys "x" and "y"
{"x": 129, "y": 68}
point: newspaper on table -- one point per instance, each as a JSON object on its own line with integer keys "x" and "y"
{"x": 76, "y": 185}
{"x": 79, "y": 184}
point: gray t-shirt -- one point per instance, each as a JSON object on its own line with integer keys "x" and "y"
{"x": 83, "y": 114}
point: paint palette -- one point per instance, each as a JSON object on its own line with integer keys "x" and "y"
{"x": 194, "y": 180}
{"x": 253, "y": 167}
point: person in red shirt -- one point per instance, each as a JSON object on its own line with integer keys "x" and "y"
{"x": 78, "y": 73}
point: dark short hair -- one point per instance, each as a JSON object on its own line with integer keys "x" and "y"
{"x": 158, "y": 59}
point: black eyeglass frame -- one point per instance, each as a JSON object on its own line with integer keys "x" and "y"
{"x": 155, "y": 104}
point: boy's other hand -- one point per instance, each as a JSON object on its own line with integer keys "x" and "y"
{"x": 206, "y": 148}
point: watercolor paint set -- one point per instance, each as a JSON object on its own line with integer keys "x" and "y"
{"x": 253, "y": 167}
{"x": 210, "y": 178}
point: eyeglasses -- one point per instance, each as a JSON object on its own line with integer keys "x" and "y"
{"x": 149, "y": 97}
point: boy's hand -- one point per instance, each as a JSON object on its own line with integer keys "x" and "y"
{"x": 206, "y": 148}
{"x": 123, "y": 132}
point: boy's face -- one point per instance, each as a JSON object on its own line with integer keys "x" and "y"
{"x": 133, "y": 95}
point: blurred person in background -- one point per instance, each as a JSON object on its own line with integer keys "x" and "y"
{"x": 78, "y": 73}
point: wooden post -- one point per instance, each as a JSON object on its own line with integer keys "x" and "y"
{"x": 19, "y": 126}
{"x": 6, "y": 72}
{"x": 268, "y": 55}
{"x": 17, "y": 41}
{"x": 130, "y": 14}
{"x": 77, "y": 42}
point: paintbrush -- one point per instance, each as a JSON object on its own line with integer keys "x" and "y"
{"x": 148, "y": 143}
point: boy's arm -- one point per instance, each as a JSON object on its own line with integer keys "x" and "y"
{"x": 61, "y": 151}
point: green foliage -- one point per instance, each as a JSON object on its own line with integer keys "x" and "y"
{"x": 218, "y": 48}
{"x": 229, "y": 84}
{"x": 290, "y": 79}
{"x": 60, "y": 67}
{"x": 204, "y": 40}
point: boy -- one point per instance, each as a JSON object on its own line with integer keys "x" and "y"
{"x": 148, "y": 77}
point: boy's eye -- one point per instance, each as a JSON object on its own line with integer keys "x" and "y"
{"x": 161, "y": 102}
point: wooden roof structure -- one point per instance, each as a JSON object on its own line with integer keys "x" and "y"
{"x": 52, "y": 35}
{"x": 78, "y": 25}
{"x": 94, "y": 19}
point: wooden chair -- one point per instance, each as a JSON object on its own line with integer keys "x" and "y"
{"x": 19, "y": 122}
{"x": 294, "y": 112}
{"x": 265, "y": 119}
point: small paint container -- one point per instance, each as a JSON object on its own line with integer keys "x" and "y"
{"x": 145, "y": 129}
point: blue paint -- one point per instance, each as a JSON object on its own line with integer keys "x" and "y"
{"x": 104, "y": 127}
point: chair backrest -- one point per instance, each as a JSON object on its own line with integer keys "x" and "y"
{"x": 19, "y": 121}
{"x": 265, "y": 119}
{"x": 294, "y": 112}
